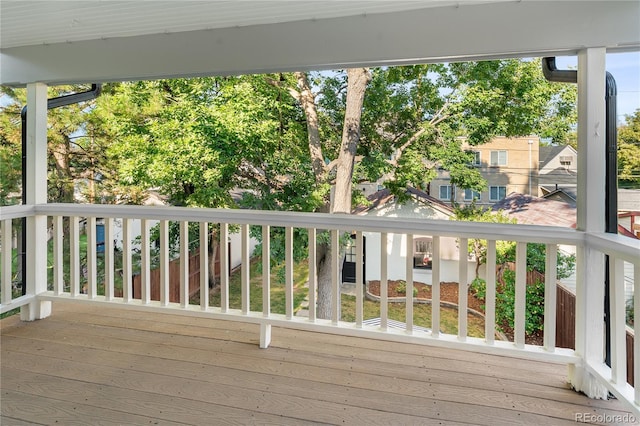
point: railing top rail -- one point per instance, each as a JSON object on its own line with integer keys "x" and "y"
{"x": 615, "y": 244}
{"x": 15, "y": 212}
{"x": 512, "y": 232}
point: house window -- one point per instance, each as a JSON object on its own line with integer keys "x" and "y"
{"x": 498, "y": 158}
{"x": 470, "y": 194}
{"x": 497, "y": 193}
{"x": 350, "y": 254}
{"x": 476, "y": 158}
{"x": 566, "y": 160}
{"x": 423, "y": 253}
{"x": 445, "y": 192}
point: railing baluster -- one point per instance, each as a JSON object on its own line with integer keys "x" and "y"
{"x": 435, "y": 288}
{"x": 335, "y": 271}
{"x": 359, "y": 279}
{"x": 550, "y": 296}
{"x": 409, "y": 286}
{"x": 109, "y": 261}
{"x": 313, "y": 278}
{"x": 164, "y": 263}
{"x": 636, "y": 332}
{"x": 6, "y": 262}
{"x": 91, "y": 258}
{"x": 58, "y": 256}
{"x": 384, "y": 281}
{"x": 266, "y": 271}
{"x": 145, "y": 263}
{"x": 185, "y": 286}
{"x": 618, "y": 326}
{"x": 245, "y": 270}
{"x": 204, "y": 265}
{"x": 288, "y": 267}
{"x": 127, "y": 266}
{"x": 463, "y": 265}
{"x": 490, "y": 296}
{"x": 224, "y": 267}
{"x": 74, "y": 255}
{"x": 521, "y": 293}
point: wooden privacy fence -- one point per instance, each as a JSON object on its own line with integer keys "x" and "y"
{"x": 174, "y": 279}
{"x": 566, "y": 326}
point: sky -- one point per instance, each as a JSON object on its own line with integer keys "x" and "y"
{"x": 625, "y": 68}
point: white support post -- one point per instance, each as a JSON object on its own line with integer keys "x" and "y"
{"x": 6, "y": 262}
{"x": 313, "y": 275}
{"x": 463, "y": 264}
{"x": 590, "y": 218}
{"x": 184, "y": 264}
{"x": 636, "y": 330}
{"x": 74, "y": 256}
{"x": 550, "y": 297}
{"x": 384, "y": 281}
{"x": 92, "y": 261}
{"x": 435, "y": 288}
{"x": 36, "y": 193}
{"x": 490, "y": 297}
{"x": 618, "y": 323}
{"x": 109, "y": 261}
{"x": 204, "y": 266}
{"x": 335, "y": 272}
{"x": 164, "y": 263}
{"x": 127, "y": 266}
{"x": 409, "y": 286}
{"x": 145, "y": 262}
{"x": 288, "y": 279}
{"x": 265, "y": 336}
{"x": 245, "y": 270}
{"x": 521, "y": 294}
{"x": 58, "y": 255}
{"x": 266, "y": 271}
{"x": 359, "y": 279}
{"x": 224, "y": 267}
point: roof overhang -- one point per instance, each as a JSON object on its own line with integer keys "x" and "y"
{"x": 367, "y": 33}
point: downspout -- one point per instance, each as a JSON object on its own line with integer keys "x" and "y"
{"x": 551, "y": 73}
{"x": 52, "y": 103}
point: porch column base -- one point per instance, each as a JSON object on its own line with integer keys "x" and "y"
{"x": 583, "y": 381}
{"x": 265, "y": 336}
{"x": 35, "y": 311}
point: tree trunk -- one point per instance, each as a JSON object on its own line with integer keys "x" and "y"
{"x": 341, "y": 202}
{"x": 308, "y": 102}
{"x": 323, "y": 300}
{"x": 357, "y": 79}
{"x": 214, "y": 241}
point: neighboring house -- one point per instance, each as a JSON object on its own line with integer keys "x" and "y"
{"x": 533, "y": 210}
{"x": 557, "y": 176}
{"x": 421, "y": 205}
{"x": 508, "y": 165}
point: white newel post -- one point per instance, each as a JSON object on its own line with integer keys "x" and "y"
{"x": 36, "y": 193}
{"x": 591, "y": 195}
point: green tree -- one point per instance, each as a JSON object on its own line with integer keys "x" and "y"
{"x": 629, "y": 150}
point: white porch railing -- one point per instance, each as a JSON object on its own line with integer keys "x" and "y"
{"x": 619, "y": 249}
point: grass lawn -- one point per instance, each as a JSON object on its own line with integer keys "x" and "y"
{"x": 421, "y": 312}
{"x": 421, "y": 315}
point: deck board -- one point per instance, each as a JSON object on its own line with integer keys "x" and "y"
{"x": 119, "y": 366}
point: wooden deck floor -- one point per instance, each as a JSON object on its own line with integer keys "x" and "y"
{"x": 90, "y": 366}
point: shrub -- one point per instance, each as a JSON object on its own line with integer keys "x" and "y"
{"x": 402, "y": 288}
{"x": 506, "y": 300}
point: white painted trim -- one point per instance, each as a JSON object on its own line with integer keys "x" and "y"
{"x": 109, "y": 259}
{"x": 490, "y": 294}
{"x": 313, "y": 273}
{"x": 288, "y": 247}
{"x": 184, "y": 264}
{"x": 455, "y": 229}
{"x": 7, "y": 293}
{"x": 204, "y": 265}
{"x": 224, "y": 267}
{"x": 435, "y": 288}
{"x": 164, "y": 262}
{"x": 462, "y": 288}
{"x": 521, "y": 293}
{"x": 550, "y": 296}
{"x": 266, "y": 272}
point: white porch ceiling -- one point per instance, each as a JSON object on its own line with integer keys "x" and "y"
{"x": 26, "y": 23}
{"x": 92, "y": 41}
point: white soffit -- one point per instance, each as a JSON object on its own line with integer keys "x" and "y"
{"x": 27, "y": 23}
{"x": 92, "y": 41}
